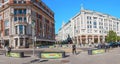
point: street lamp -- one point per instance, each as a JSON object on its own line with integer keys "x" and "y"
{"x": 33, "y": 34}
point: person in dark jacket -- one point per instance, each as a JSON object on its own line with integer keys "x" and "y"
{"x": 8, "y": 50}
{"x": 74, "y": 49}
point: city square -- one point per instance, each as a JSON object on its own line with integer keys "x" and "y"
{"x": 59, "y": 32}
{"x": 110, "y": 57}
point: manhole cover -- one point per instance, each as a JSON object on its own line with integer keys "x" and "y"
{"x": 65, "y": 61}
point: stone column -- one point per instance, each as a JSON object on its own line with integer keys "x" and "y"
{"x": 98, "y": 39}
{"x": 103, "y": 39}
{"x": 93, "y": 38}
{"x": 86, "y": 39}
{"x": 77, "y": 40}
{"x": 18, "y": 45}
{"x": 18, "y": 29}
{"x": 24, "y": 42}
{"x": 14, "y": 43}
{"x": 81, "y": 40}
{"x": 24, "y": 30}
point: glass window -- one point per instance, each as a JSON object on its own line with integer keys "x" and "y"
{"x": 16, "y": 30}
{"x": 94, "y": 17}
{"x": 87, "y": 22}
{"x": 95, "y": 26}
{"x": 95, "y": 23}
{"x": 15, "y": 18}
{"x": 90, "y": 22}
{"x": 90, "y": 26}
{"x": 15, "y": 11}
{"x": 20, "y": 11}
{"x": 25, "y": 29}
{"x": 24, "y": 11}
{"x": 24, "y": 19}
{"x": 20, "y": 18}
{"x": 15, "y": 1}
{"x": 19, "y": 2}
{"x": 6, "y": 32}
{"x": 6, "y": 23}
{"x": 21, "y": 41}
{"x": 21, "y": 29}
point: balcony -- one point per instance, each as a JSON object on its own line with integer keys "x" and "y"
{"x": 20, "y": 22}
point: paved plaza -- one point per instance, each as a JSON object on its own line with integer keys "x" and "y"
{"x": 111, "y": 57}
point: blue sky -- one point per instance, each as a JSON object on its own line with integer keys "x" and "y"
{"x": 66, "y": 9}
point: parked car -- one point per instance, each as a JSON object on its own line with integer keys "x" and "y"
{"x": 119, "y": 44}
{"x": 102, "y": 45}
{"x": 113, "y": 44}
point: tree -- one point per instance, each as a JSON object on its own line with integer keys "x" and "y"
{"x": 111, "y": 36}
{"x": 118, "y": 38}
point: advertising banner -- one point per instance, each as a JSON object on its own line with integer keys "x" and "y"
{"x": 98, "y": 51}
{"x": 51, "y": 55}
{"x": 16, "y": 55}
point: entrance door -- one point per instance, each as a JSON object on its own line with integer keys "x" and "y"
{"x": 6, "y": 42}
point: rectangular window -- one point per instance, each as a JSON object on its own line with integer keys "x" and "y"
{"x": 15, "y": 18}
{"x": 95, "y": 23}
{"x": 6, "y": 32}
{"x": 90, "y": 22}
{"x": 15, "y": 1}
{"x": 21, "y": 29}
{"x": 90, "y": 26}
{"x": 21, "y": 41}
{"x": 19, "y": 2}
{"x": 87, "y": 26}
{"x": 15, "y": 11}
{"x": 6, "y": 23}
{"x": 25, "y": 29}
{"x": 20, "y": 11}
{"x": 25, "y": 19}
{"x": 16, "y": 30}
{"x": 20, "y": 18}
{"x": 95, "y": 26}
{"x": 24, "y": 11}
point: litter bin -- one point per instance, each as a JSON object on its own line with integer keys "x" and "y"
{"x": 90, "y": 52}
{"x": 96, "y": 51}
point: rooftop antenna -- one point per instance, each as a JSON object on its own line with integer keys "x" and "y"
{"x": 82, "y": 8}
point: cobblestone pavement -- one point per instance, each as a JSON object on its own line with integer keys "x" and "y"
{"x": 111, "y": 57}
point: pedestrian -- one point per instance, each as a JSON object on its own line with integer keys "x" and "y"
{"x": 8, "y": 50}
{"x": 74, "y": 49}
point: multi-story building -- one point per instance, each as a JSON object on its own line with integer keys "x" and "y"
{"x": 89, "y": 26}
{"x": 22, "y": 20}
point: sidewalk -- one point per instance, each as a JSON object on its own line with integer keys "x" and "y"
{"x": 111, "y": 57}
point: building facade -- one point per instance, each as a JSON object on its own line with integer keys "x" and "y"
{"x": 89, "y": 27}
{"x": 22, "y": 21}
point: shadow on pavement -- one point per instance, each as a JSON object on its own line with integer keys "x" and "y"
{"x": 78, "y": 52}
{"x": 26, "y": 56}
{"x": 43, "y": 60}
{"x": 67, "y": 56}
{"x": 36, "y": 60}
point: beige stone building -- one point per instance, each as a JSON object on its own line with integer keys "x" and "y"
{"x": 89, "y": 26}
{"x": 22, "y": 21}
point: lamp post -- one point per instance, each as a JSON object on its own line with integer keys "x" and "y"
{"x": 33, "y": 36}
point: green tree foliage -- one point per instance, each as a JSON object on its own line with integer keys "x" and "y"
{"x": 118, "y": 38}
{"x": 111, "y": 36}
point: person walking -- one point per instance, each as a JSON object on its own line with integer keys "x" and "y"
{"x": 8, "y": 50}
{"x": 73, "y": 49}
